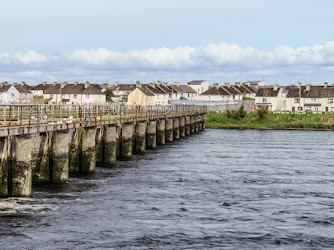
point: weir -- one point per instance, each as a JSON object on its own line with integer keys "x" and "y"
{"x": 51, "y": 148}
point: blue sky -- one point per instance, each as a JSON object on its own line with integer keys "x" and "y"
{"x": 149, "y": 40}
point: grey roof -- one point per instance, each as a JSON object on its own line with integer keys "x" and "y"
{"x": 196, "y": 82}
{"x": 19, "y": 88}
{"x": 93, "y": 89}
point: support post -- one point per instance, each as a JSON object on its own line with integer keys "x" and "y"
{"x": 41, "y": 143}
{"x": 140, "y": 137}
{"x": 75, "y": 148}
{"x": 127, "y": 133}
{"x": 192, "y": 124}
{"x": 176, "y": 128}
{"x": 161, "y": 134}
{"x": 182, "y": 126}
{"x": 169, "y": 129}
{"x": 151, "y": 134}
{"x": 88, "y": 163}
{"x": 188, "y": 127}
{"x": 110, "y": 144}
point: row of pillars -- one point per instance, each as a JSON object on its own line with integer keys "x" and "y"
{"x": 52, "y": 156}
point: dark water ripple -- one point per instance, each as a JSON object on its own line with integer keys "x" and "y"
{"x": 221, "y": 189}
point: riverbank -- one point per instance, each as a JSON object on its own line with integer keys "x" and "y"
{"x": 307, "y": 121}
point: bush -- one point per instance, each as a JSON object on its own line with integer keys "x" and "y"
{"x": 236, "y": 114}
{"x": 262, "y": 113}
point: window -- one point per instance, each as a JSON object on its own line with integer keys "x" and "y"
{"x": 296, "y": 100}
{"x": 170, "y": 95}
{"x": 26, "y": 95}
{"x": 12, "y": 94}
{"x": 316, "y": 108}
{"x": 300, "y": 108}
{"x": 332, "y": 109}
{"x": 264, "y": 100}
{"x": 188, "y": 94}
{"x": 51, "y": 95}
{"x": 62, "y": 96}
{"x": 327, "y": 109}
{"x": 313, "y": 100}
{"x": 330, "y": 100}
{"x": 87, "y": 96}
{"x": 75, "y": 96}
{"x": 293, "y": 109}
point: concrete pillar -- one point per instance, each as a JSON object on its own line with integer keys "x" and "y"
{"x": 127, "y": 133}
{"x": 151, "y": 134}
{"x": 99, "y": 144}
{"x": 192, "y": 124}
{"x": 110, "y": 144}
{"x": 188, "y": 127}
{"x": 161, "y": 135}
{"x": 176, "y": 128}
{"x": 21, "y": 167}
{"x": 75, "y": 148}
{"x": 200, "y": 122}
{"x": 5, "y": 166}
{"x": 41, "y": 144}
{"x": 182, "y": 126}
{"x": 196, "y": 123}
{"x": 134, "y": 126}
{"x": 59, "y": 156}
{"x": 140, "y": 137}
{"x": 169, "y": 129}
{"x": 88, "y": 159}
{"x": 118, "y": 142}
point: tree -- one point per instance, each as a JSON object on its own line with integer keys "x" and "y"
{"x": 109, "y": 94}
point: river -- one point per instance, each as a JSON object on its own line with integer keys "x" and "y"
{"x": 219, "y": 189}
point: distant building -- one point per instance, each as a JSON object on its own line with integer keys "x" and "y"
{"x": 255, "y": 84}
{"x": 76, "y": 93}
{"x": 200, "y": 86}
{"x": 310, "y": 98}
{"x": 270, "y": 97}
{"x": 149, "y": 94}
{"x": 121, "y": 91}
{"x": 15, "y": 93}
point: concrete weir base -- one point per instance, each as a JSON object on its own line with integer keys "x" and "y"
{"x": 50, "y": 156}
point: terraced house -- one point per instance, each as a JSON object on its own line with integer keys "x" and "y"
{"x": 270, "y": 97}
{"x": 148, "y": 94}
{"x": 311, "y": 98}
{"x": 15, "y": 93}
{"x": 76, "y": 93}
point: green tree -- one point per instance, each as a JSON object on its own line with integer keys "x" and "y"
{"x": 109, "y": 94}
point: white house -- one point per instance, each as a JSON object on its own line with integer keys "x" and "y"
{"x": 15, "y": 93}
{"x": 310, "y": 98}
{"x": 270, "y": 97}
{"x": 121, "y": 91}
{"x": 200, "y": 86}
{"x": 76, "y": 93}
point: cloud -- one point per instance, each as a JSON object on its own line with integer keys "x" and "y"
{"x": 216, "y": 62}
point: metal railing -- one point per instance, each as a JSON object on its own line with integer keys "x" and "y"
{"x": 12, "y": 115}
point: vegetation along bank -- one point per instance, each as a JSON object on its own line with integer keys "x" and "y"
{"x": 262, "y": 119}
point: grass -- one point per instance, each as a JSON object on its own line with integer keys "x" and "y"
{"x": 308, "y": 121}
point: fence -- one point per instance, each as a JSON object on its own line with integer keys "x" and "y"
{"x": 26, "y": 114}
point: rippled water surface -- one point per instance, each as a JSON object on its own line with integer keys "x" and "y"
{"x": 223, "y": 189}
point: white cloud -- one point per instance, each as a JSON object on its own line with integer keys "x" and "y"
{"x": 216, "y": 62}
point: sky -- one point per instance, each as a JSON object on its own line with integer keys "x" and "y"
{"x": 280, "y": 41}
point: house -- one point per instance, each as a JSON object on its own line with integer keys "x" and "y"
{"x": 310, "y": 98}
{"x": 200, "y": 86}
{"x": 187, "y": 93}
{"x": 173, "y": 94}
{"x": 15, "y": 93}
{"x": 216, "y": 94}
{"x": 121, "y": 91}
{"x": 76, "y": 93}
{"x": 40, "y": 89}
{"x": 148, "y": 94}
{"x": 255, "y": 84}
{"x": 270, "y": 97}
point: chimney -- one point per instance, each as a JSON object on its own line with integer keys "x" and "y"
{"x": 177, "y": 84}
{"x": 14, "y": 83}
{"x": 247, "y": 83}
{"x": 138, "y": 84}
{"x": 87, "y": 84}
{"x": 308, "y": 87}
{"x": 117, "y": 83}
{"x": 227, "y": 84}
{"x": 164, "y": 84}
{"x": 158, "y": 83}
{"x": 325, "y": 85}
{"x": 63, "y": 84}
{"x": 44, "y": 83}
{"x": 2, "y": 85}
{"x": 76, "y": 83}
{"x": 299, "y": 85}
{"x": 275, "y": 87}
{"x": 23, "y": 83}
{"x": 55, "y": 83}
{"x": 215, "y": 85}
{"x": 237, "y": 84}
{"x": 152, "y": 84}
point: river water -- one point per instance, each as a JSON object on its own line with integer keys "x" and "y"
{"x": 219, "y": 189}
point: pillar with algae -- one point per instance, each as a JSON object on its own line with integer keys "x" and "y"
{"x": 75, "y": 151}
{"x": 99, "y": 144}
{"x": 88, "y": 151}
{"x": 5, "y": 165}
{"x": 182, "y": 126}
{"x": 161, "y": 132}
{"x": 21, "y": 173}
{"x": 187, "y": 125}
{"x": 118, "y": 141}
{"x": 151, "y": 134}
{"x": 109, "y": 140}
{"x": 59, "y": 156}
{"x": 127, "y": 134}
{"x": 192, "y": 124}
{"x": 169, "y": 129}
{"x": 176, "y": 128}
{"x": 140, "y": 136}
{"x": 40, "y": 162}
